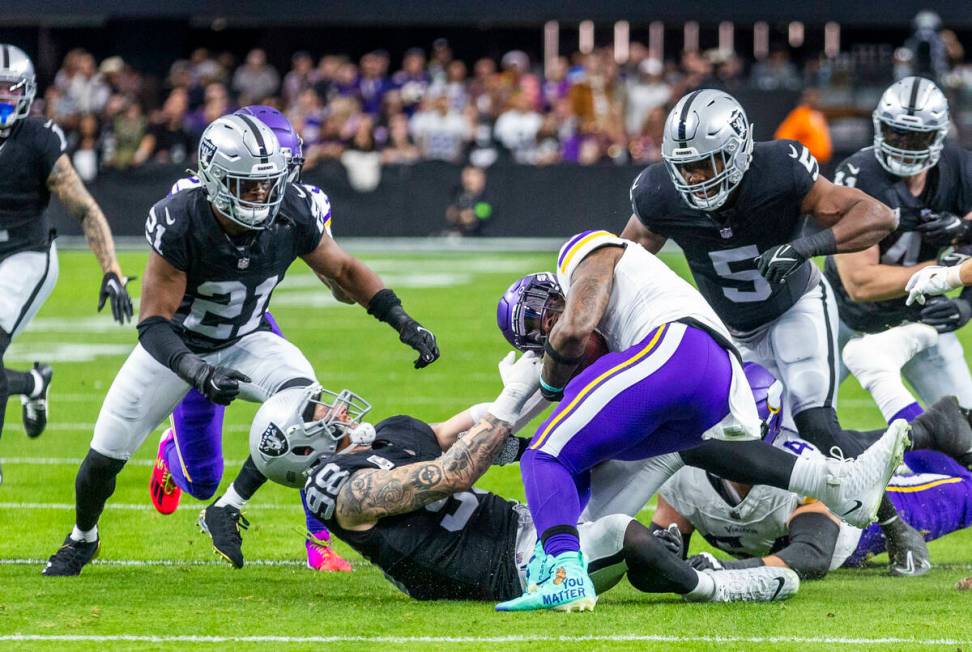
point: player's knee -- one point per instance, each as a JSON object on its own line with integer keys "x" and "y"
{"x": 98, "y": 465}
{"x": 205, "y": 479}
{"x": 203, "y": 490}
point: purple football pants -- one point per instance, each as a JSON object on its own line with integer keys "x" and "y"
{"x": 198, "y": 426}
{"x": 657, "y": 397}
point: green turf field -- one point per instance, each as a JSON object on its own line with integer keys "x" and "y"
{"x": 159, "y": 585}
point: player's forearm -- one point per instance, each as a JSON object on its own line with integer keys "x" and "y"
{"x": 965, "y": 273}
{"x": 98, "y": 234}
{"x": 357, "y": 281}
{"x": 878, "y": 282}
{"x": 865, "y": 223}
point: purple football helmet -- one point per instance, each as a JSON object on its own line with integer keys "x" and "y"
{"x": 522, "y": 307}
{"x": 768, "y": 392}
{"x": 287, "y": 136}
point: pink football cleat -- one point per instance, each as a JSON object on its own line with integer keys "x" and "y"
{"x": 165, "y": 494}
{"x": 321, "y": 556}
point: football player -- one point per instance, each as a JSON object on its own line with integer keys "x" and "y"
{"x": 633, "y": 403}
{"x": 34, "y": 166}
{"x": 737, "y": 208}
{"x": 402, "y": 495}
{"x": 767, "y": 526}
{"x": 190, "y": 456}
{"x": 218, "y": 252}
{"x": 911, "y": 168}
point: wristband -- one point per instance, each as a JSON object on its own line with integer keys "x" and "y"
{"x": 383, "y": 303}
{"x": 550, "y": 388}
{"x": 557, "y": 356}
{"x": 821, "y": 243}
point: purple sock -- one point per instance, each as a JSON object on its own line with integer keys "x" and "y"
{"x": 552, "y": 496}
{"x": 563, "y": 542}
{"x": 314, "y": 525}
{"x": 907, "y": 413}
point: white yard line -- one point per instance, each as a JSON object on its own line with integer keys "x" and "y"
{"x": 442, "y": 640}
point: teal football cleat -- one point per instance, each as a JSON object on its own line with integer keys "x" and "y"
{"x": 566, "y": 587}
{"x": 538, "y": 568}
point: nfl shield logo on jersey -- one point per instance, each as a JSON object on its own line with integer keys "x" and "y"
{"x": 272, "y": 442}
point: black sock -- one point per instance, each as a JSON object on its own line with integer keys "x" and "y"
{"x": 19, "y": 382}
{"x": 652, "y": 567}
{"x": 749, "y": 462}
{"x": 248, "y": 480}
{"x": 886, "y": 511}
{"x": 94, "y": 486}
{"x": 4, "y": 343}
{"x": 820, "y": 427}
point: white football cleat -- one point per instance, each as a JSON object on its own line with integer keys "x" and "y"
{"x": 854, "y": 487}
{"x": 763, "y": 584}
{"x": 869, "y": 356}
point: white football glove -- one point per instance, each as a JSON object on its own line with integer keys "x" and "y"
{"x": 521, "y": 382}
{"x": 932, "y": 281}
{"x": 505, "y": 365}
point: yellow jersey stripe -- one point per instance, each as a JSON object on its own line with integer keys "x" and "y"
{"x": 597, "y": 381}
{"x": 580, "y": 244}
{"x": 922, "y": 487}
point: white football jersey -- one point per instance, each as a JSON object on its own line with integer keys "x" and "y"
{"x": 646, "y": 292}
{"x": 319, "y": 197}
{"x": 754, "y": 526}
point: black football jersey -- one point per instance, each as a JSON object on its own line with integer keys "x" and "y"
{"x": 460, "y": 548}
{"x": 948, "y": 188}
{"x": 721, "y": 246}
{"x": 27, "y": 157}
{"x": 229, "y": 281}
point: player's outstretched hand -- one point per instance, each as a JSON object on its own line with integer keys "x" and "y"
{"x": 946, "y": 315}
{"x": 704, "y": 561}
{"x": 114, "y": 289}
{"x": 221, "y": 384}
{"x": 929, "y": 281}
{"x": 520, "y": 383}
{"x": 422, "y": 340}
{"x": 776, "y": 263}
{"x": 505, "y": 365}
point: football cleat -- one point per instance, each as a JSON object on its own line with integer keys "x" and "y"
{"x": 321, "y": 556}
{"x": 907, "y": 550}
{"x": 945, "y": 427}
{"x": 71, "y": 557}
{"x": 162, "y": 488}
{"x": 34, "y": 407}
{"x": 566, "y": 588}
{"x": 763, "y": 584}
{"x": 223, "y": 524}
{"x": 538, "y": 568}
{"x": 854, "y": 487}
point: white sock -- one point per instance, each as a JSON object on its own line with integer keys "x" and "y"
{"x": 704, "y": 589}
{"x": 38, "y": 384}
{"x": 231, "y": 498}
{"x": 88, "y": 536}
{"x": 808, "y": 477}
{"x": 888, "y": 392}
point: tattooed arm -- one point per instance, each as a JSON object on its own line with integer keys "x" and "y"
{"x": 590, "y": 291}
{"x": 65, "y": 183}
{"x": 372, "y": 494}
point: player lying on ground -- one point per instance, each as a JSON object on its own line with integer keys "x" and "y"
{"x": 33, "y": 167}
{"x": 764, "y": 526}
{"x": 218, "y": 253}
{"x": 671, "y": 381}
{"x": 527, "y": 313}
{"x": 404, "y": 498}
{"x": 190, "y": 454}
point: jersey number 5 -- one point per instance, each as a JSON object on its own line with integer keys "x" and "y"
{"x": 722, "y": 260}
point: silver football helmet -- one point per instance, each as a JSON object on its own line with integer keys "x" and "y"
{"x": 910, "y": 124}
{"x": 707, "y": 147}
{"x": 243, "y": 169}
{"x": 296, "y": 426}
{"x": 17, "y": 86}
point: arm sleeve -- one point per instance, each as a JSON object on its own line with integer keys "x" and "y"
{"x": 813, "y": 538}
{"x": 52, "y": 145}
{"x": 577, "y": 249}
{"x": 157, "y": 335}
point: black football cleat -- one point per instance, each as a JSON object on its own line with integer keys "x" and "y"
{"x": 71, "y": 557}
{"x": 34, "y": 409}
{"x": 223, "y": 525}
{"x": 946, "y": 429}
{"x": 907, "y": 550}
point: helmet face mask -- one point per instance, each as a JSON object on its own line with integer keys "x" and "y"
{"x": 244, "y": 170}
{"x": 18, "y": 86}
{"x": 529, "y": 309}
{"x": 707, "y": 147}
{"x": 910, "y": 125}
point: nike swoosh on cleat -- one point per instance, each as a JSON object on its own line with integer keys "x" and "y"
{"x": 854, "y": 508}
{"x": 780, "y": 581}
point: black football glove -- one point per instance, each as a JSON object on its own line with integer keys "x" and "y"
{"x": 946, "y": 315}
{"x": 953, "y": 256}
{"x": 671, "y": 538}
{"x": 121, "y": 304}
{"x": 940, "y": 229}
{"x": 422, "y": 340}
{"x": 219, "y": 384}
{"x": 776, "y": 263}
{"x": 704, "y": 561}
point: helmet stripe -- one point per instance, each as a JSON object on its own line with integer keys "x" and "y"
{"x": 913, "y": 100}
{"x": 684, "y": 116}
{"x": 256, "y": 132}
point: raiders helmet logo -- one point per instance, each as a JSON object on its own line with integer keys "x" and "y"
{"x": 272, "y": 442}
{"x": 738, "y": 123}
{"x": 207, "y": 150}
